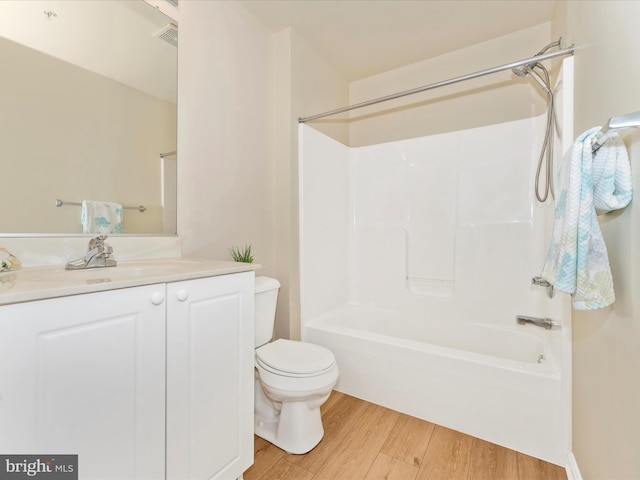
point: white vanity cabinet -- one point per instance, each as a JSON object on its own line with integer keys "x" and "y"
{"x": 210, "y": 377}
{"x": 146, "y": 382}
{"x": 85, "y": 375}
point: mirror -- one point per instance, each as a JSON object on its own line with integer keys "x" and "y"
{"x": 87, "y": 110}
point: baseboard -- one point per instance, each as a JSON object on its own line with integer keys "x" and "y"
{"x": 573, "y": 472}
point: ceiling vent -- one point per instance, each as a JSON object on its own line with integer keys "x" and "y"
{"x": 169, "y": 34}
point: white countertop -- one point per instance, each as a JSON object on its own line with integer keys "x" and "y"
{"x": 38, "y": 283}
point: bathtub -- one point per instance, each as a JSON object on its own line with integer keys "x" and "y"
{"x": 500, "y": 384}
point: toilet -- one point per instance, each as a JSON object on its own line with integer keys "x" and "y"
{"x": 292, "y": 380}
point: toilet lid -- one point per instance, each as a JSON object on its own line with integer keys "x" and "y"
{"x": 294, "y": 357}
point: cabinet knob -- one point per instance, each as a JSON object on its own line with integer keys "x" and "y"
{"x": 182, "y": 295}
{"x": 157, "y": 298}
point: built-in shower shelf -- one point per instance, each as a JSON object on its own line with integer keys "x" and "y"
{"x": 435, "y": 287}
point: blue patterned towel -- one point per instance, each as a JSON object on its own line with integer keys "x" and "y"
{"x": 586, "y": 185}
{"x": 101, "y": 217}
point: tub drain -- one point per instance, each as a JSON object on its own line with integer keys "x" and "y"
{"x": 541, "y": 359}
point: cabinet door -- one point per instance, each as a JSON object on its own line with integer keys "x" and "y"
{"x": 85, "y": 375}
{"x": 210, "y": 377}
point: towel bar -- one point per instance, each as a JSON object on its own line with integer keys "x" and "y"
{"x": 631, "y": 120}
{"x": 140, "y": 208}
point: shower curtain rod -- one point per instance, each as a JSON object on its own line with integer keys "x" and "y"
{"x": 537, "y": 58}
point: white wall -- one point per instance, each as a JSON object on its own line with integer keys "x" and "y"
{"x": 225, "y": 133}
{"x": 304, "y": 82}
{"x": 240, "y": 92}
{"x": 606, "y": 342}
{"x": 484, "y": 101}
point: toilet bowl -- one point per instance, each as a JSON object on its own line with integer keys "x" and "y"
{"x": 292, "y": 380}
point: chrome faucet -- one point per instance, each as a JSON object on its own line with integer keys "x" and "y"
{"x": 98, "y": 256}
{"x": 547, "y": 323}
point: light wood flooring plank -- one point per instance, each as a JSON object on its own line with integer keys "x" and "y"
{"x": 366, "y": 441}
{"x": 356, "y": 452}
{"x": 492, "y": 462}
{"x": 331, "y": 401}
{"x": 408, "y": 440}
{"x": 387, "y": 468}
{"x": 284, "y": 470}
{"x": 344, "y": 413}
{"x": 265, "y": 455}
{"x": 448, "y": 456}
{"x": 530, "y": 468}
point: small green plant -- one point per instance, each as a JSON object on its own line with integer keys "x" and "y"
{"x": 242, "y": 255}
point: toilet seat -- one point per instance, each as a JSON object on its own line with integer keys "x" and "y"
{"x": 295, "y": 359}
{"x": 280, "y": 373}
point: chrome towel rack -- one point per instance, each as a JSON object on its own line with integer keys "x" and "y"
{"x": 140, "y": 208}
{"x": 631, "y": 120}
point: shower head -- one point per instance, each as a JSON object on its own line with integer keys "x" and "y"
{"x": 528, "y": 70}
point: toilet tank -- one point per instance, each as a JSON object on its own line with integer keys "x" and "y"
{"x": 265, "y": 316}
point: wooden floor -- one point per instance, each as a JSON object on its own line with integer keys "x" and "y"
{"x": 364, "y": 441}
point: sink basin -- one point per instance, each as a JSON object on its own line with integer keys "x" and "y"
{"x": 150, "y": 268}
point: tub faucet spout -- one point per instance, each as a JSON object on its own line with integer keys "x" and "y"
{"x": 547, "y": 323}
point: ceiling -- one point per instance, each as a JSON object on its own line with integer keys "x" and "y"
{"x": 111, "y": 38}
{"x": 361, "y": 38}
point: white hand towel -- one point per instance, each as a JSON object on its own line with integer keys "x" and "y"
{"x": 101, "y": 217}
{"x": 586, "y": 184}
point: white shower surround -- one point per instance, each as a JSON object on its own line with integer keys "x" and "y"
{"x": 416, "y": 257}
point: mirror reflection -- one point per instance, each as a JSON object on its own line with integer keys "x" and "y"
{"x": 87, "y": 117}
